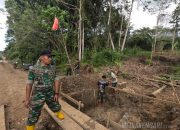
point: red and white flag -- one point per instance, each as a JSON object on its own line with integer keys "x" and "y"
{"x": 55, "y": 24}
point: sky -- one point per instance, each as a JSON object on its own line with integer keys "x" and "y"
{"x": 139, "y": 19}
{"x": 3, "y": 27}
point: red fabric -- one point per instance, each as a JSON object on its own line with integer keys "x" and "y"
{"x": 55, "y": 24}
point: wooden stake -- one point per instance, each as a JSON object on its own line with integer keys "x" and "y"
{"x": 108, "y": 119}
{"x": 2, "y": 120}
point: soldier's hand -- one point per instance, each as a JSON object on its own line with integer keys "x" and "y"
{"x": 56, "y": 97}
{"x": 27, "y": 103}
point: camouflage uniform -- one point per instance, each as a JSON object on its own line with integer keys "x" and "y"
{"x": 102, "y": 84}
{"x": 42, "y": 78}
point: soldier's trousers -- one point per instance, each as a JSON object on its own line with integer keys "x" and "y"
{"x": 38, "y": 98}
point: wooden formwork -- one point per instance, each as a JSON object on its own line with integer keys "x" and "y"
{"x": 2, "y": 118}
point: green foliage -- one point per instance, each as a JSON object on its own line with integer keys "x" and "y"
{"x": 109, "y": 57}
{"x": 177, "y": 43}
{"x": 142, "y": 39}
{"x": 60, "y": 58}
{"x": 30, "y": 29}
{"x": 105, "y": 58}
{"x": 135, "y": 52}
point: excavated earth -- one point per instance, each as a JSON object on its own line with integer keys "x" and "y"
{"x": 127, "y": 108}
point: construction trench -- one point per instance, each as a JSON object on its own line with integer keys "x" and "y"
{"x": 146, "y": 98}
{"x": 123, "y": 109}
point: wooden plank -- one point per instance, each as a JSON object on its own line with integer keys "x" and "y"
{"x": 2, "y": 118}
{"x": 82, "y": 119}
{"x": 67, "y": 123}
{"x": 72, "y": 99}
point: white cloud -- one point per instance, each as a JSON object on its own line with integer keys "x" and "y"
{"x": 3, "y": 28}
{"x": 141, "y": 18}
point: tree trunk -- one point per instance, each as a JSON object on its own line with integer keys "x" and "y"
{"x": 174, "y": 36}
{"x": 112, "y": 44}
{"x": 124, "y": 41}
{"x": 80, "y": 31}
{"x": 155, "y": 40}
{"x": 82, "y": 39}
{"x": 109, "y": 21}
{"x": 67, "y": 55}
{"x": 120, "y": 32}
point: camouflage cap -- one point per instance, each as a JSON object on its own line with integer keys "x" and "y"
{"x": 45, "y": 52}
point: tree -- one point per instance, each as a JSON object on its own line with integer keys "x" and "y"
{"x": 176, "y": 22}
{"x": 141, "y": 38}
{"x": 127, "y": 28}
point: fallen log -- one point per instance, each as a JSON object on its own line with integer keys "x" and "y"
{"x": 163, "y": 82}
{"x": 154, "y": 94}
{"x": 154, "y": 80}
{"x": 159, "y": 90}
{"x": 145, "y": 96}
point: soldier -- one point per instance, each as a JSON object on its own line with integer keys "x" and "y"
{"x": 45, "y": 82}
{"x": 102, "y": 84}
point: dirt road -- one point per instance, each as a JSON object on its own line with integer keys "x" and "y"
{"x": 12, "y": 93}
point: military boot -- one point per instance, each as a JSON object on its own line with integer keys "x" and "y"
{"x": 60, "y": 115}
{"x": 32, "y": 127}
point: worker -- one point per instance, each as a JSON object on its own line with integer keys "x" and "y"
{"x": 15, "y": 65}
{"x": 68, "y": 70}
{"x": 77, "y": 67}
{"x": 42, "y": 77}
{"x": 111, "y": 74}
{"x": 102, "y": 84}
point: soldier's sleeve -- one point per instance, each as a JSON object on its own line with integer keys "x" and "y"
{"x": 30, "y": 76}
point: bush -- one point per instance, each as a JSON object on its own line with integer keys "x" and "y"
{"x": 136, "y": 52}
{"x": 105, "y": 58}
{"x": 109, "y": 57}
